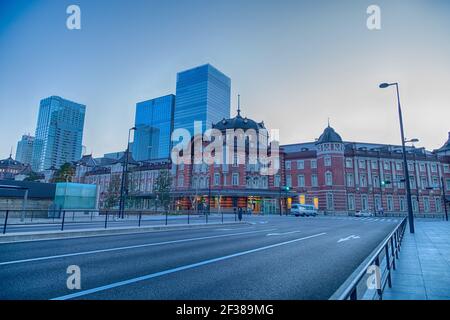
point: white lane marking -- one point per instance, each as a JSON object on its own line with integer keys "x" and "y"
{"x": 283, "y": 233}
{"x": 349, "y": 238}
{"x": 383, "y": 220}
{"x": 182, "y": 268}
{"x": 130, "y": 247}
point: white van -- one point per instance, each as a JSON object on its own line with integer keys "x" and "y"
{"x": 303, "y": 210}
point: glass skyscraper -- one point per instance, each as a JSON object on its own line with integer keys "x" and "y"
{"x": 59, "y": 133}
{"x": 154, "y": 125}
{"x": 24, "y": 149}
{"x": 203, "y": 94}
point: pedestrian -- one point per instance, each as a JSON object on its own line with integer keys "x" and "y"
{"x": 240, "y": 214}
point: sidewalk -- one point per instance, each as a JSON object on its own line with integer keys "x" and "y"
{"x": 423, "y": 268}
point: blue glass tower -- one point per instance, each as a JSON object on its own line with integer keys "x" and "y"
{"x": 203, "y": 94}
{"x": 154, "y": 125}
{"x": 59, "y": 133}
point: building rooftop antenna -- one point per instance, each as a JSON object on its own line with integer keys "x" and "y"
{"x": 239, "y": 105}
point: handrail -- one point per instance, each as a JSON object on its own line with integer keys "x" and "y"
{"x": 349, "y": 291}
{"x": 105, "y": 218}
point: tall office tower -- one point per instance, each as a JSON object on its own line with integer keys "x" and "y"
{"x": 59, "y": 133}
{"x": 203, "y": 94}
{"x": 24, "y": 150}
{"x": 154, "y": 125}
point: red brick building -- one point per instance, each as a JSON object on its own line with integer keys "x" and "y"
{"x": 335, "y": 175}
{"x": 345, "y": 177}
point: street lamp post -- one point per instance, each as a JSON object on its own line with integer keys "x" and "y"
{"x": 124, "y": 173}
{"x": 405, "y": 162}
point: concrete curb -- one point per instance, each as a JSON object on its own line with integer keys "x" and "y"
{"x": 83, "y": 233}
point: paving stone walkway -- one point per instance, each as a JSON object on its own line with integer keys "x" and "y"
{"x": 423, "y": 268}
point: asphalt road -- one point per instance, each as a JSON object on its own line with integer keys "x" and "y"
{"x": 272, "y": 258}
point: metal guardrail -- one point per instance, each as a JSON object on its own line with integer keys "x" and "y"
{"x": 384, "y": 256}
{"x": 61, "y": 219}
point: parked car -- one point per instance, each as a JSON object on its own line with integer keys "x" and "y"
{"x": 364, "y": 213}
{"x": 303, "y": 210}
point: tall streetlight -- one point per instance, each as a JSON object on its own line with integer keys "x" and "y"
{"x": 405, "y": 162}
{"x": 124, "y": 173}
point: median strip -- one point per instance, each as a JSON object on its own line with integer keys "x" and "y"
{"x": 182, "y": 268}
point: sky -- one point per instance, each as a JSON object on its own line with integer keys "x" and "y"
{"x": 294, "y": 63}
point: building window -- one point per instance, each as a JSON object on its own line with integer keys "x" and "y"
{"x": 438, "y": 204}
{"x": 364, "y": 202}
{"x": 398, "y": 166}
{"x": 288, "y": 180}
{"x": 401, "y": 182}
{"x": 264, "y": 181}
{"x": 410, "y": 166}
{"x": 328, "y": 178}
{"x": 388, "y": 180}
{"x": 378, "y": 205}
{"x": 288, "y": 165}
{"x": 235, "y": 179}
{"x": 423, "y": 181}
{"x": 314, "y": 180}
{"x": 363, "y": 180}
{"x": 330, "y": 201}
{"x": 351, "y": 202}
{"x": 362, "y": 164}
{"x": 349, "y": 179}
{"x": 448, "y": 184}
{"x": 276, "y": 181}
{"x": 235, "y": 160}
{"x": 426, "y": 204}
{"x": 390, "y": 203}
{"x": 248, "y": 182}
{"x": 422, "y": 167}
{"x": 217, "y": 179}
{"x": 301, "y": 180}
{"x": 412, "y": 182}
{"x": 374, "y": 164}
{"x": 386, "y": 165}
{"x": 327, "y": 161}
{"x": 446, "y": 168}
{"x": 313, "y": 164}
{"x": 402, "y": 204}
{"x": 255, "y": 182}
{"x": 348, "y": 163}
{"x": 433, "y": 167}
{"x": 376, "y": 181}
{"x": 435, "y": 182}
{"x": 300, "y": 164}
{"x": 415, "y": 204}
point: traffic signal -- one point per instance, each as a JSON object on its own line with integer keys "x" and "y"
{"x": 286, "y": 188}
{"x": 385, "y": 182}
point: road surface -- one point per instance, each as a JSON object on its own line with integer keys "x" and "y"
{"x": 271, "y": 258}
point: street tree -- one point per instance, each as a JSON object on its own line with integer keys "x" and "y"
{"x": 163, "y": 184}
